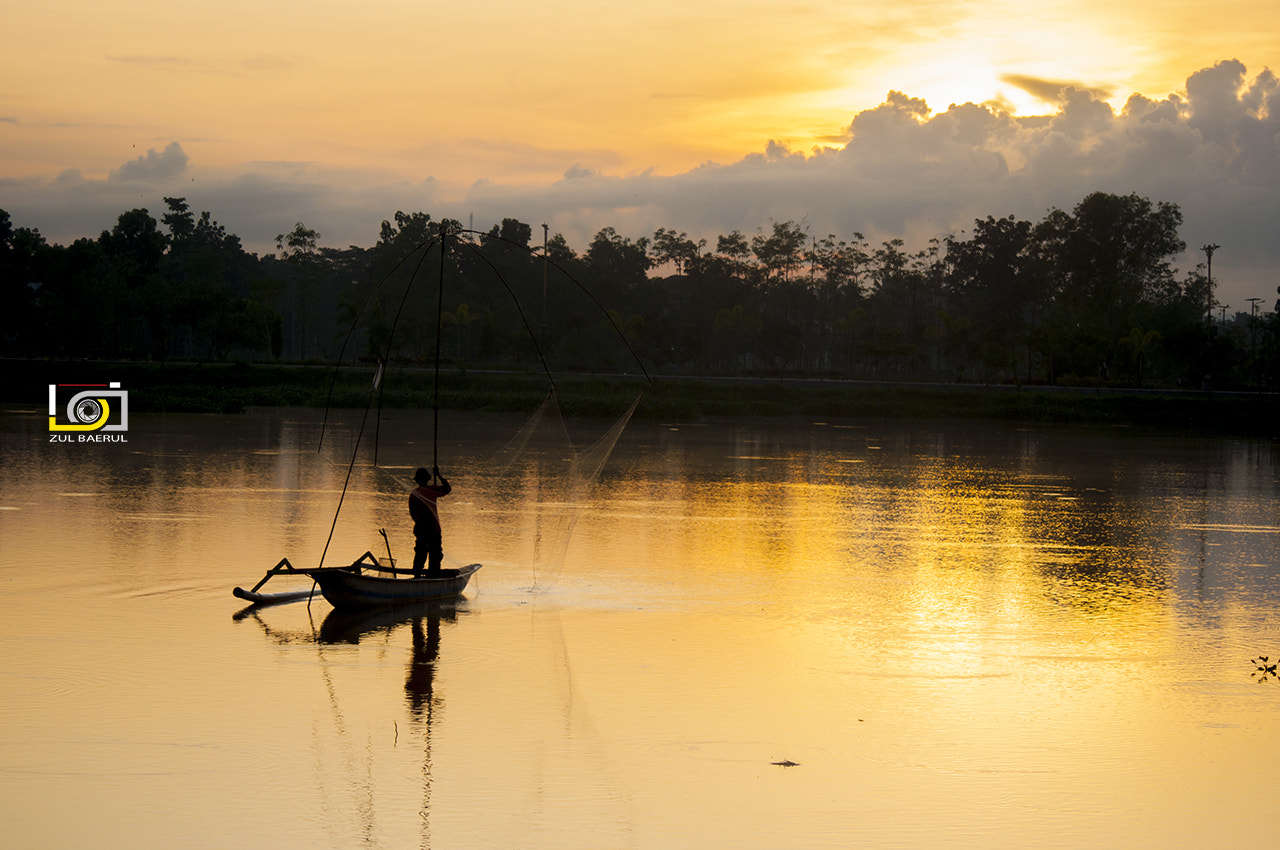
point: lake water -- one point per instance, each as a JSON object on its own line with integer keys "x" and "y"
{"x": 762, "y": 634}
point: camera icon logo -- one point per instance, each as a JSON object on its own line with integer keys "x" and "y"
{"x": 88, "y": 407}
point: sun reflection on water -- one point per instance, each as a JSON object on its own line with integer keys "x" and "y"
{"x": 757, "y": 634}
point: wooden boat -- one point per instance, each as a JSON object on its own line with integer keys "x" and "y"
{"x": 366, "y": 583}
{"x": 351, "y": 587}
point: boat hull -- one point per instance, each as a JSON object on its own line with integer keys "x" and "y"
{"x": 349, "y": 588}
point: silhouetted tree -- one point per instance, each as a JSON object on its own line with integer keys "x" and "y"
{"x": 1104, "y": 259}
{"x": 20, "y": 252}
{"x": 781, "y": 252}
{"x": 991, "y": 280}
{"x": 1051, "y": 300}
{"x": 679, "y": 250}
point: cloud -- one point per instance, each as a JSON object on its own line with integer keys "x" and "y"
{"x": 1052, "y": 91}
{"x": 899, "y": 170}
{"x": 904, "y": 171}
{"x": 153, "y": 167}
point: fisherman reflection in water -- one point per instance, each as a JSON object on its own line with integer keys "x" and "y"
{"x": 428, "y": 544}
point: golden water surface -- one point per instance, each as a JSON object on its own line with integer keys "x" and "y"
{"x": 791, "y": 634}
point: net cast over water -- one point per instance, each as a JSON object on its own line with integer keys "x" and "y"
{"x": 370, "y": 580}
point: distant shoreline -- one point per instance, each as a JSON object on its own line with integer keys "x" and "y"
{"x": 233, "y": 388}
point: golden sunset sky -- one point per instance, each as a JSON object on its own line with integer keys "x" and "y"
{"x": 390, "y": 104}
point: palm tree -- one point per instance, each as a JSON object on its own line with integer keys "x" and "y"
{"x": 850, "y": 325}
{"x": 628, "y": 326}
{"x": 461, "y": 319}
{"x": 1140, "y": 343}
{"x": 736, "y": 323}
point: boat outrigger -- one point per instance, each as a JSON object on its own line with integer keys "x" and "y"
{"x": 365, "y": 583}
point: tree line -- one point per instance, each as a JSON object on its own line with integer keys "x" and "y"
{"x": 1084, "y": 296}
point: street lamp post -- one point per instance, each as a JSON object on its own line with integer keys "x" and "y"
{"x": 543, "y": 328}
{"x": 1253, "y": 330}
{"x": 1208, "y": 253}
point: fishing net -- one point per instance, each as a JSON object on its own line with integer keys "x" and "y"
{"x": 541, "y": 481}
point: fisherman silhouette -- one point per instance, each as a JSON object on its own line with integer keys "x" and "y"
{"x": 428, "y": 541}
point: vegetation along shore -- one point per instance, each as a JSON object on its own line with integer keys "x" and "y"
{"x": 234, "y": 388}
{"x": 1082, "y": 316}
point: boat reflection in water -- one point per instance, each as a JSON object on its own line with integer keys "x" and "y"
{"x": 345, "y": 630}
{"x": 350, "y": 626}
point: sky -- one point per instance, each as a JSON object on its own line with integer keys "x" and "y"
{"x": 904, "y": 119}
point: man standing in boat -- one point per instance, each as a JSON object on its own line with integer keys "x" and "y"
{"x": 428, "y": 542}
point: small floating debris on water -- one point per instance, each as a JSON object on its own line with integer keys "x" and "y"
{"x": 786, "y": 763}
{"x": 1265, "y": 667}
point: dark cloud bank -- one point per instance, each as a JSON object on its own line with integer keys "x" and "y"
{"x": 902, "y": 171}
